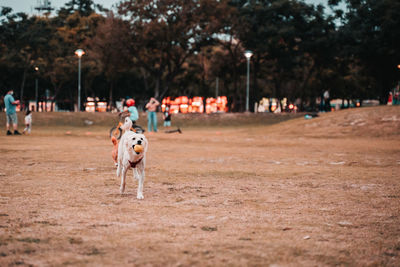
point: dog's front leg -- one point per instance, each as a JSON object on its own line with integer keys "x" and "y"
{"x": 123, "y": 180}
{"x": 139, "y": 173}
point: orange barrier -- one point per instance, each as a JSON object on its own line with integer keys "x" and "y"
{"x": 216, "y": 105}
{"x": 92, "y": 106}
{"x": 196, "y": 105}
{"x": 183, "y": 104}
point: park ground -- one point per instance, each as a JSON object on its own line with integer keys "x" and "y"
{"x": 231, "y": 190}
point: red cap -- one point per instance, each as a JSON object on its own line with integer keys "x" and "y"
{"x": 130, "y": 102}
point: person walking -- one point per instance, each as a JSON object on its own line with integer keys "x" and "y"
{"x": 151, "y": 107}
{"x": 11, "y": 112}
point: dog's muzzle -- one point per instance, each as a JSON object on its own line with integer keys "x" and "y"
{"x": 133, "y": 147}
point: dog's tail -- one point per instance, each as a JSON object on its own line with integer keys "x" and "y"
{"x": 114, "y": 140}
{"x": 114, "y": 152}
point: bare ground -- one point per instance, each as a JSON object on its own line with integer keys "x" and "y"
{"x": 318, "y": 192}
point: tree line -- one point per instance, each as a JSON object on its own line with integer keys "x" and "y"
{"x": 189, "y": 47}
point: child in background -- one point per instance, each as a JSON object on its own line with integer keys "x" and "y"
{"x": 167, "y": 117}
{"x": 28, "y": 122}
{"x": 133, "y": 112}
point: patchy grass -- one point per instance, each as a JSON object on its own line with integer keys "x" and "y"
{"x": 29, "y": 240}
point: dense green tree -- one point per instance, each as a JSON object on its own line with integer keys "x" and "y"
{"x": 370, "y": 38}
{"x": 165, "y": 34}
{"x": 291, "y": 41}
{"x": 110, "y": 48}
{"x": 83, "y": 7}
{"x": 24, "y": 40}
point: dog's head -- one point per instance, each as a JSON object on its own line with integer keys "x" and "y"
{"x": 134, "y": 139}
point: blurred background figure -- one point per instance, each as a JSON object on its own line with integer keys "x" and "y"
{"x": 151, "y": 107}
{"x": 167, "y": 116}
{"x": 11, "y": 112}
{"x": 133, "y": 112}
{"x": 327, "y": 101}
{"x": 390, "y": 99}
{"x": 28, "y": 122}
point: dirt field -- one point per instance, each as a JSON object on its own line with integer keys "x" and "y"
{"x": 318, "y": 192}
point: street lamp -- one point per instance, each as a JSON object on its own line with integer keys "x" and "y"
{"x": 248, "y": 55}
{"x": 36, "y": 89}
{"x": 79, "y": 53}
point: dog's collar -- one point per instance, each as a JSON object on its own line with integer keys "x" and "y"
{"x": 133, "y": 164}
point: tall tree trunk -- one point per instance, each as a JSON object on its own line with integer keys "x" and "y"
{"x": 146, "y": 85}
{"x": 157, "y": 87}
{"x": 307, "y": 78}
{"x": 236, "y": 89}
{"x": 110, "y": 93}
{"x": 22, "y": 88}
{"x": 163, "y": 94}
{"x": 56, "y": 91}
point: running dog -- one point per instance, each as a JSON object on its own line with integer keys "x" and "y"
{"x": 114, "y": 152}
{"x": 129, "y": 158}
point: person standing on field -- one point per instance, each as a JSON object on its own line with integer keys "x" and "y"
{"x": 327, "y": 101}
{"x": 11, "y": 112}
{"x": 151, "y": 114}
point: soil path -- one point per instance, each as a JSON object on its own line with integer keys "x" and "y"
{"x": 250, "y": 196}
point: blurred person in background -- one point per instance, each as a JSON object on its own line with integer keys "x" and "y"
{"x": 28, "y": 122}
{"x": 133, "y": 112}
{"x": 167, "y": 116}
{"x": 327, "y": 101}
{"x": 11, "y": 112}
{"x": 151, "y": 114}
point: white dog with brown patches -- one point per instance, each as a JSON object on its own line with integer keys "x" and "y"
{"x": 131, "y": 157}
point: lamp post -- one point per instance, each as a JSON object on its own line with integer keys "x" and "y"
{"x": 36, "y": 89}
{"x": 248, "y": 55}
{"x": 79, "y": 53}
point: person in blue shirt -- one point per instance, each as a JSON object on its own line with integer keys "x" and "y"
{"x": 133, "y": 112}
{"x": 11, "y": 112}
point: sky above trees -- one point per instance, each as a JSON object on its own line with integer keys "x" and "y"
{"x": 27, "y": 6}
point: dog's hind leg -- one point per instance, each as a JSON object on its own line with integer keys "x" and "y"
{"x": 123, "y": 180}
